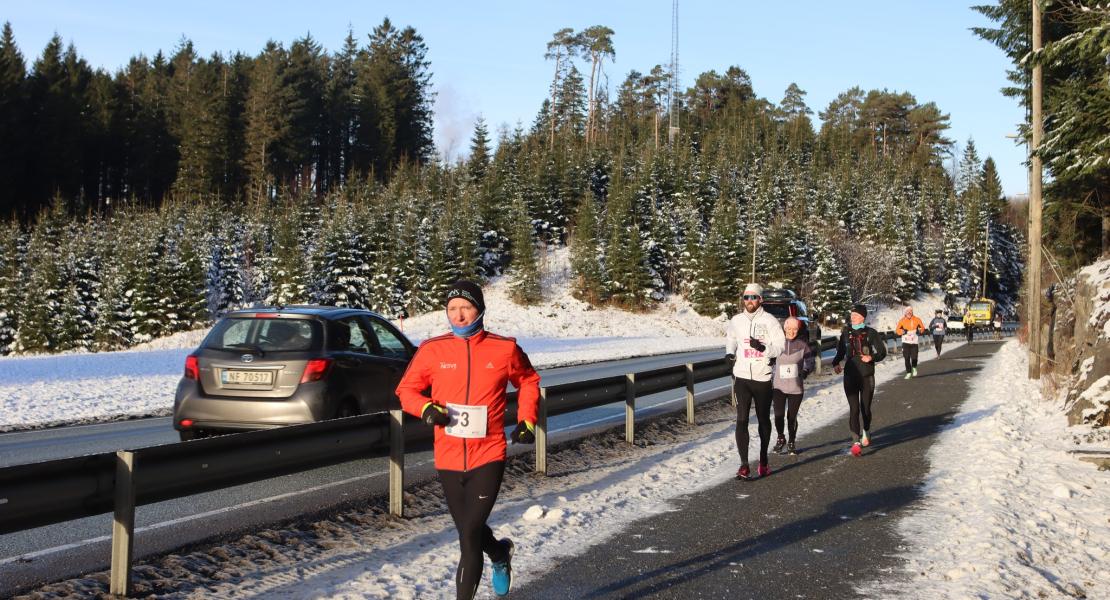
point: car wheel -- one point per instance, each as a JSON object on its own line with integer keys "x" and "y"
{"x": 189, "y": 434}
{"x": 347, "y": 409}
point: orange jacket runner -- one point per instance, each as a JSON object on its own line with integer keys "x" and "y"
{"x": 910, "y": 323}
{"x": 470, "y": 372}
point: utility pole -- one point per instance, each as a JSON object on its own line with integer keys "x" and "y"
{"x": 1033, "y": 270}
{"x": 986, "y": 254}
{"x": 672, "y": 125}
{"x": 753, "y": 257}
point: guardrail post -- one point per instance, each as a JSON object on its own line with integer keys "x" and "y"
{"x": 690, "y": 393}
{"x": 396, "y": 462}
{"x": 123, "y": 525}
{"x": 630, "y": 407}
{"x": 541, "y": 434}
{"x": 817, "y": 359}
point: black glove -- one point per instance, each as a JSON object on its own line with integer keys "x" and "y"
{"x": 757, "y": 345}
{"x": 524, "y": 433}
{"x": 435, "y": 414}
{"x": 731, "y": 358}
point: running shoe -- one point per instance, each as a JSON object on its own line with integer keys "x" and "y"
{"x": 793, "y": 451}
{"x": 744, "y": 472}
{"x": 764, "y": 469}
{"x": 915, "y": 371}
{"x": 780, "y": 446}
{"x": 865, "y": 440}
{"x": 856, "y": 449}
{"x": 908, "y": 375}
{"x": 503, "y": 571}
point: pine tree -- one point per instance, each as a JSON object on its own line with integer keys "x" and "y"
{"x": 629, "y": 283}
{"x": 479, "y": 160}
{"x": 10, "y": 267}
{"x": 717, "y": 287}
{"x": 587, "y": 254}
{"x": 524, "y": 272}
{"x": 831, "y": 298}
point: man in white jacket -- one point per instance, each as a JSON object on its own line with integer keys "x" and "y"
{"x": 753, "y": 338}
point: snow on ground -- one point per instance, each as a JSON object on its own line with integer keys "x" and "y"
{"x": 45, "y": 390}
{"x": 886, "y": 318}
{"x": 601, "y": 487}
{"x": 1007, "y": 511}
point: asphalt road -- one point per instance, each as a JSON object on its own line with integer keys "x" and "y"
{"x": 819, "y": 525}
{"x": 75, "y": 547}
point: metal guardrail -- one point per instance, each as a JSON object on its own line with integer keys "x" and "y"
{"x": 56, "y": 491}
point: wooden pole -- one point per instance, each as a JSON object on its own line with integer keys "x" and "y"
{"x": 541, "y": 434}
{"x": 630, "y": 408}
{"x": 396, "y": 463}
{"x": 690, "y": 393}
{"x": 123, "y": 525}
{"x": 1033, "y": 269}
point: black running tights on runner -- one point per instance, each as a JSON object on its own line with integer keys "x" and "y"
{"x": 909, "y": 352}
{"x": 470, "y": 497}
{"x": 860, "y": 390}
{"x": 938, "y": 340}
{"x": 789, "y": 404}
{"x": 748, "y": 391}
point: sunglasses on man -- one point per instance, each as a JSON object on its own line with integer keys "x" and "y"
{"x": 751, "y": 297}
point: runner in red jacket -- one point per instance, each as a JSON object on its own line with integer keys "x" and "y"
{"x": 465, "y": 373}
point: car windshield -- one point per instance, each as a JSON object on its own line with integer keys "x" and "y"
{"x": 261, "y": 335}
{"x": 780, "y": 311}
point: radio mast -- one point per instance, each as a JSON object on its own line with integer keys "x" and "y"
{"x": 672, "y": 129}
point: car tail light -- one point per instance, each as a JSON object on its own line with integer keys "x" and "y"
{"x": 186, "y": 422}
{"x": 315, "y": 369}
{"x": 192, "y": 368}
{"x": 266, "y": 315}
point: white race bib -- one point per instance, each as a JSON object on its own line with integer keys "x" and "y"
{"x": 467, "y": 421}
{"x": 788, "y": 371}
{"x": 910, "y": 337}
{"x": 938, "y": 328}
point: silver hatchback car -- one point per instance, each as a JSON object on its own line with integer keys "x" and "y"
{"x": 269, "y": 367}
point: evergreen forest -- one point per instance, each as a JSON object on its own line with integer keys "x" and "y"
{"x": 152, "y": 200}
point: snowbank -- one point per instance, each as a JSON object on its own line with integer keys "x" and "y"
{"x": 1007, "y": 513}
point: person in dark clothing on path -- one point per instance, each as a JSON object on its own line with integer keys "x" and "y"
{"x": 791, "y": 369}
{"x": 859, "y": 347}
{"x": 939, "y": 328}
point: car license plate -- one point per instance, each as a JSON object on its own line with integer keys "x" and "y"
{"x": 247, "y": 377}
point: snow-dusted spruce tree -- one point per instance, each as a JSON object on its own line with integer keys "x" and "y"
{"x": 287, "y": 265}
{"x": 524, "y": 271}
{"x": 147, "y": 306}
{"x": 587, "y": 253}
{"x": 81, "y": 274}
{"x": 43, "y": 287}
{"x": 226, "y": 285}
{"x": 831, "y": 298}
{"x": 629, "y": 282}
{"x": 716, "y": 288}
{"x": 10, "y": 261}
{"x": 112, "y": 330}
{"x": 343, "y": 276}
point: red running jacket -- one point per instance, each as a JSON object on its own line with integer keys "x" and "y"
{"x": 471, "y": 371}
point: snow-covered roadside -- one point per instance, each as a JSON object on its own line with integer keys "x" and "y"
{"x": 1007, "y": 513}
{"x": 600, "y": 488}
{"x": 77, "y": 388}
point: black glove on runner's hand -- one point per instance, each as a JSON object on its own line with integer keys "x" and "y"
{"x": 757, "y": 345}
{"x": 731, "y": 358}
{"x": 524, "y": 433}
{"x": 435, "y": 414}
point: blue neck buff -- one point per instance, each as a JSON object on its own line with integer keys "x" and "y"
{"x": 469, "y": 330}
{"x": 859, "y": 326}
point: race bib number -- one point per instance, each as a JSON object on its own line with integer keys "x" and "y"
{"x": 939, "y": 328}
{"x": 466, "y": 421}
{"x": 752, "y": 352}
{"x": 788, "y": 371}
{"x": 910, "y": 337}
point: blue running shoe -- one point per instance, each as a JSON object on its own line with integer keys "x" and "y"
{"x": 503, "y": 571}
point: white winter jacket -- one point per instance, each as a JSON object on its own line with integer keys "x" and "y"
{"x": 751, "y": 363}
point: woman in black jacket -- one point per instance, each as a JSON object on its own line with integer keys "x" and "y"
{"x": 862, "y": 346}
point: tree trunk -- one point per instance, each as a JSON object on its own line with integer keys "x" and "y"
{"x": 590, "y": 112}
{"x": 554, "y": 87}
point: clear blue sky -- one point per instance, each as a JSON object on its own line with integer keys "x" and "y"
{"x": 487, "y": 56}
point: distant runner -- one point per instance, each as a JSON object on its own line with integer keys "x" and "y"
{"x": 910, "y": 328}
{"x": 466, "y": 372}
{"x": 753, "y": 336}
{"x": 939, "y": 328}
{"x": 790, "y": 371}
{"x": 862, "y": 346}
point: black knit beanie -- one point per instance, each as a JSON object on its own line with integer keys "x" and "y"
{"x": 469, "y": 291}
{"x": 861, "y": 309}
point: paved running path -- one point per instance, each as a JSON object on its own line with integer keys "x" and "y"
{"x": 821, "y": 524}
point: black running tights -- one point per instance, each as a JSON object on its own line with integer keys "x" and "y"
{"x": 909, "y": 352}
{"x": 747, "y": 392}
{"x": 470, "y": 497}
{"x": 938, "y": 341}
{"x": 789, "y": 404}
{"x": 860, "y": 390}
